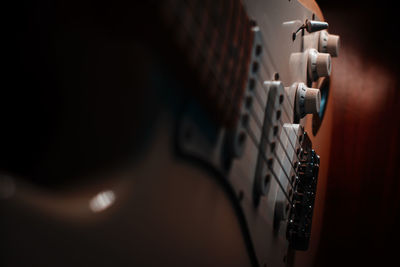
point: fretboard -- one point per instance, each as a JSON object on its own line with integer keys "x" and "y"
{"x": 216, "y": 39}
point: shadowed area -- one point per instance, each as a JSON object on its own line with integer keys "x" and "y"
{"x": 362, "y": 211}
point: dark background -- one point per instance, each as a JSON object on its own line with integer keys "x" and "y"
{"x": 362, "y": 209}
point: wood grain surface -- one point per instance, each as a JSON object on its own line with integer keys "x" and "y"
{"x": 362, "y": 208}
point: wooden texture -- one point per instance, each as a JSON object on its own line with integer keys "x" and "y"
{"x": 362, "y": 208}
{"x": 312, "y": 5}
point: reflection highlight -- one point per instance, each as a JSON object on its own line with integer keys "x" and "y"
{"x": 102, "y": 201}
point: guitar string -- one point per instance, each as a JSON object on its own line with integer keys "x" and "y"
{"x": 260, "y": 127}
{"x": 263, "y": 107}
{"x": 283, "y": 128}
{"x": 254, "y": 139}
{"x": 261, "y": 151}
{"x": 285, "y": 151}
{"x": 258, "y": 122}
{"x": 255, "y": 142}
{"x": 265, "y": 69}
{"x": 285, "y": 114}
{"x": 285, "y": 111}
{"x": 292, "y": 184}
{"x": 278, "y": 159}
{"x": 293, "y": 166}
{"x": 282, "y": 124}
{"x": 287, "y": 98}
{"x": 279, "y": 140}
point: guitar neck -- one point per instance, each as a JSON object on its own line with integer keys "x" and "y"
{"x": 215, "y": 40}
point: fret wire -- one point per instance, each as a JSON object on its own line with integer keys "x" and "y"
{"x": 224, "y": 92}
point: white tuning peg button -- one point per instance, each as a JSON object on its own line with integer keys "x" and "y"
{"x": 329, "y": 43}
{"x": 308, "y": 100}
{"x": 319, "y": 64}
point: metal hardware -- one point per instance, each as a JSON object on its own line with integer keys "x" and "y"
{"x": 300, "y": 217}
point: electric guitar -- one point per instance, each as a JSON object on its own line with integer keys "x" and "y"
{"x": 192, "y": 134}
